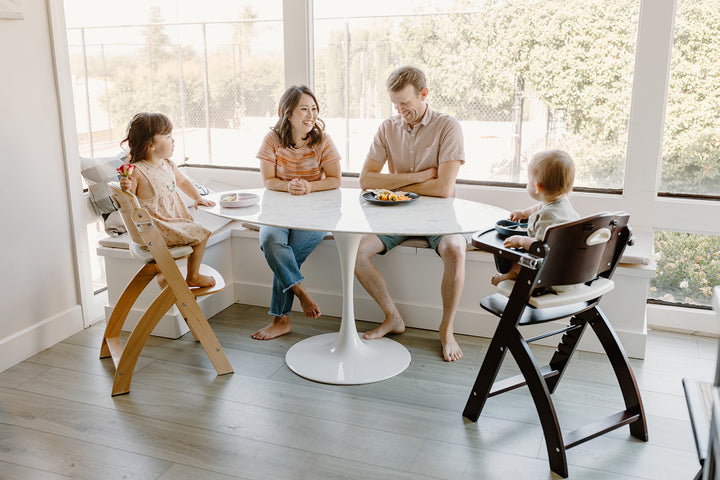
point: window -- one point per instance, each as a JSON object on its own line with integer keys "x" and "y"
{"x": 688, "y": 263}
{"x": 691, "y": 145}
{"x": 688, "y": 266}
{"x": 519, "y": 78}
{"x": 215, "y": 68}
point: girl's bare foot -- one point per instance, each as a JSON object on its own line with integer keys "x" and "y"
{"x": 391, "y": 324}
{"x": 279, "y": 326}
{"x": 200, "y": 281}
{"x": 451, "y": 349}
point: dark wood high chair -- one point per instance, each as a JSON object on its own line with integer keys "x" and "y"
{"x": 582, "y": 255}
{"x": 148, "y": 246}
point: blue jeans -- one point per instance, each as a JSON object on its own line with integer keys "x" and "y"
{"x": 285, "y": 251}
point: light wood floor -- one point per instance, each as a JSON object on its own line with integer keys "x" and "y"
{"x": 181, "y": 421}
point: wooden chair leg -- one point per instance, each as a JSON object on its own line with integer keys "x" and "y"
{"x": 540, "y": 393}
{"x": 486, "y": 377}
{"x": 111, "y": 339}
{"x": 137, "y": 340}
{"x": 203, "y": 333}
{"x": 623, "y": 372}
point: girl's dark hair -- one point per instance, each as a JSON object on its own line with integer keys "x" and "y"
{"x": 141, "y": 130}
{"x": 288, "y": 102}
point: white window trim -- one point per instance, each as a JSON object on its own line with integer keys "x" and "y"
{"x": 71, "y": 153}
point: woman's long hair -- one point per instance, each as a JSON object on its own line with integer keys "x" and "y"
{"x": 288, "y": 102}
{"x": 141, "y": 131}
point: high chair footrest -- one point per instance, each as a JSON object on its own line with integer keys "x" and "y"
{"x": 601, "y": 427}
{"x": 207, "y": 270}
{"x": 502, "y": 386}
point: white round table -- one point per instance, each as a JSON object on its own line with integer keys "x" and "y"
{"x": 345, "y": 357}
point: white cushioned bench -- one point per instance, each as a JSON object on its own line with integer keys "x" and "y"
{"x": 412, "y": 271}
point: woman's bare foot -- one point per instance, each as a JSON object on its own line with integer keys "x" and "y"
{"x": 451, "y": 349}
{"x": 279, "y": 326}
{"x": 310, "y": 308}
{"x": 200, "y": 281}
{"x": 391, "y": 324}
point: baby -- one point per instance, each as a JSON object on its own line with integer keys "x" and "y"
{"x": 550, "y": 180}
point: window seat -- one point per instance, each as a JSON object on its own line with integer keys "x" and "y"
{"x": 412, "y": 270}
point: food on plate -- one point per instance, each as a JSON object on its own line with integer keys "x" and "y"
{"x": 390, "y": 196}
{"x": 229, "y": 198}
{"x": 522, "y": 228}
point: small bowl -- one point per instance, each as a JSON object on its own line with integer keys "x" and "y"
{"x": 238, "y": 200}
{"x": 508, "y": 228}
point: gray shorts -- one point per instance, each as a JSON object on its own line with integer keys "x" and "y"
{"x": 392, "y": 241}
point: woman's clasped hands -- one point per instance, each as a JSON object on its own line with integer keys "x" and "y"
{"x": 297, "y": 186}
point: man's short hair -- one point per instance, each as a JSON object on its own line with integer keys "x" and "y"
{"x": 403, "y": 76}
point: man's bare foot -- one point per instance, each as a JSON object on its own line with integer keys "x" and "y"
{"x": 390, "y": 325}
{"x": 279, "y": 326}
{"x": 451, "y": 349}
{"x": 200, "y": 281}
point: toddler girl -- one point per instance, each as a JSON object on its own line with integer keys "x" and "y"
{"x": 155, "y": 181}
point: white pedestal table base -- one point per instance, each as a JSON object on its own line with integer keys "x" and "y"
{"x": 345, "y": 358}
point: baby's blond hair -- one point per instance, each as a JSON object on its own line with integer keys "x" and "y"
{"x": 554, "y": 170}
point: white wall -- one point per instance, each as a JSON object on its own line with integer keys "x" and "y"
{"x": 38, "y": 285}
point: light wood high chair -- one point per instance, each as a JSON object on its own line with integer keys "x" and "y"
{"x": 148, "y": 246}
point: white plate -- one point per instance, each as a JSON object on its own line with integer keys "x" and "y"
{"x": 238, "y": 199}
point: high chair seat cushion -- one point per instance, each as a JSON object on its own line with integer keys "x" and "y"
{"x": 564, "y": 295}
{"x": 139, "y": 253}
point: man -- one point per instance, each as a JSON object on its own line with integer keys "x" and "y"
{"x": 424, "y": 152}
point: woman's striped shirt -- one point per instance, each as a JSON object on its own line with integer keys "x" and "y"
{"x": 306, "y": 163}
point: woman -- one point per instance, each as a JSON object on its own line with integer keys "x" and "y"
{"x": 297, "y": 157}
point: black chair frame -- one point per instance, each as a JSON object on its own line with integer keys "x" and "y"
{"x": 563, "y": 258}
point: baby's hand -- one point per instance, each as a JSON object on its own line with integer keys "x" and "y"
{"x": 513, "y": 241}
{"x": 126, "y": 183}
{"x": 516, "y": 215}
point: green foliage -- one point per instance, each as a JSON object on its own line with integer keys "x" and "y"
{"x": 691, "y": 157}
{"x": 576, "y": 57}
{"x": 367, "y": 64}
{"x": 688, "y": 266}
{"x": 158, "y": 78}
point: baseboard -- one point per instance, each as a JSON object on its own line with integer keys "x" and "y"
{"x": 41, "y": 335}
{"x": 477, "y": 323}
{"x": 695, "y": 321}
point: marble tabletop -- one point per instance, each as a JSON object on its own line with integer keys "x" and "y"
{"x": 344, "y": 210}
